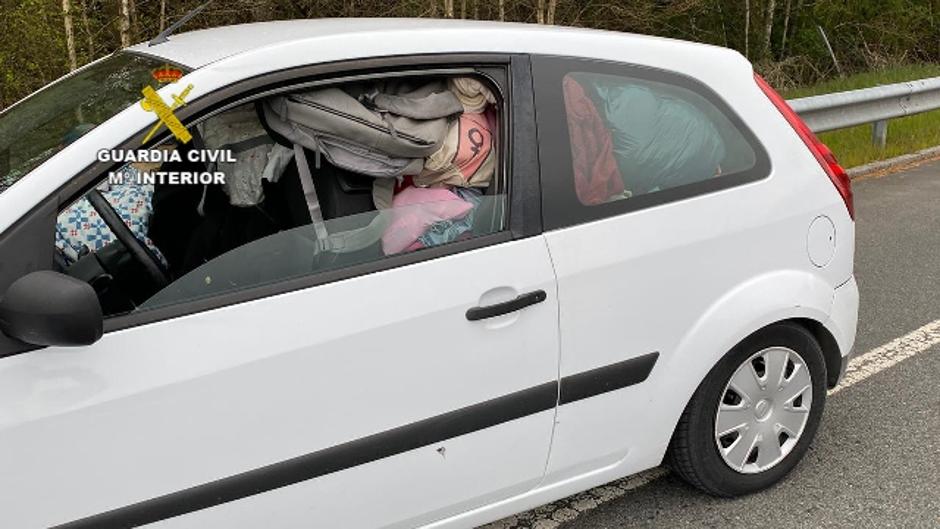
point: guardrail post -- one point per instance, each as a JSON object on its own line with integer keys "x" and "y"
{"x": 879, "y": 133}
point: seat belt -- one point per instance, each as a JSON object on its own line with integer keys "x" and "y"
{"x": 310, "y": 193}
{"x": 200, "y": 145}
{"x": 342, "y": 242}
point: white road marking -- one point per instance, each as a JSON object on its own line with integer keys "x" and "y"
{"x": 552, "y": 515}
{"x": 890, "y": 354}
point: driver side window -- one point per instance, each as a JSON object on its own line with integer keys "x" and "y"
{"x": 292, "y": 186}
{"x": 86, "y": 246}
{"x": 81, "y": 230}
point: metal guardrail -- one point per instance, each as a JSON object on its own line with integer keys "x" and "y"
{"x": 869, "y": 105}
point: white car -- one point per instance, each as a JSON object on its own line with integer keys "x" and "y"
{"x": 654, "y": 262}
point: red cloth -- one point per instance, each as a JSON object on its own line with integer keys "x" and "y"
{"x": 406, "y": 181}
{"x": 596, "y": 175}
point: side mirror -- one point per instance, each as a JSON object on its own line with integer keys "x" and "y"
{"x": 49, "y": 308}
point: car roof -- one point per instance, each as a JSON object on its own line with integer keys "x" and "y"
{"x": 197, "y": 49}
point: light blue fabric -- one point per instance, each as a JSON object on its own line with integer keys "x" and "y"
{"x": 661, "y": 140}
{"x": 446, "y": 231}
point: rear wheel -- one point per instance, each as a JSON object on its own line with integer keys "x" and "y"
{"x": 753, "y": 417}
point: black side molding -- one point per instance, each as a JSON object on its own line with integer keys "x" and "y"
{"x": 327, "y": 461}
{"x": 476, "y": 417}
{"x": 608, "y": 378}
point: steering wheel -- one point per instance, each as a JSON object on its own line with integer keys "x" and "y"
{"x": 137, "y": 249}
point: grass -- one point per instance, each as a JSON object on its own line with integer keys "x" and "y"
{"x": 853, "y": 146}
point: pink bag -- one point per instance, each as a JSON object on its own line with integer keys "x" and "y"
{"x": 414, "y": 210}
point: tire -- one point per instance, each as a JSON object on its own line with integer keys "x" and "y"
{"x": 744, "y": 460}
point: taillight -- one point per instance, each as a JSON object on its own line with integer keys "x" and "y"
{"x": 822, "y": 153}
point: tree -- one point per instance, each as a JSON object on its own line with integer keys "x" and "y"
{"x": 132, "y": 15}
{"x": 69, "y": 34}
{"x": 125, "y": 22}
{"x": 544, "y": 14}
{"x": 724, "y": 25}
{"x": 864, "y": 34}
{"x": 786, "y": 27}
{"x": 790, "y": 27}
{"x": 768, "y": 27}
{"x": 747, "y": 27}
{"x": 86, "y": 26}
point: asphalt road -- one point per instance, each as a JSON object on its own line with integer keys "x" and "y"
{"x": 875, "y": 462}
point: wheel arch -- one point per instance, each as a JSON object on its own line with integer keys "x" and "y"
{"x": 830, "y": 348}
{"x": 755, "y": 304}
{"x": 823, "y": 336}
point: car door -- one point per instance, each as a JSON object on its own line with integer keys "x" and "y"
{"x": 641, "y": 241}
{"x": 367, "y": 395}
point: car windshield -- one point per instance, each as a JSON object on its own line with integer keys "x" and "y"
{"x": 36, "y": 128}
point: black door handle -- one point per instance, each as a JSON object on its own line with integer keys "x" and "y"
{"x": 522, "y": 301}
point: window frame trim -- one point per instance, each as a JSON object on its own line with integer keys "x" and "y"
{"x": 560, "y": 205}
{"x": 516, "y": 88}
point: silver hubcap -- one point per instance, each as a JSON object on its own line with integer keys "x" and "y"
{"x": 763, "y": 410}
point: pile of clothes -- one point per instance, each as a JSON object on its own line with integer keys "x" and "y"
{"x": 628, "y": 139}
{"x": 428, "y": 145}
{"x": 448, "y": 188}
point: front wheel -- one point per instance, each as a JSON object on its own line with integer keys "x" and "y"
{"x": 753, "y": 417}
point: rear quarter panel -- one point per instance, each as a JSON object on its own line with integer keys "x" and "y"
{"x": 688, "y": 279}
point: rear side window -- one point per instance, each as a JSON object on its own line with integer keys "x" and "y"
{"x": 616, "y": 138}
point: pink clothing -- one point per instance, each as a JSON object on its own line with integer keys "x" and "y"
{"x": 415, "y": 209}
